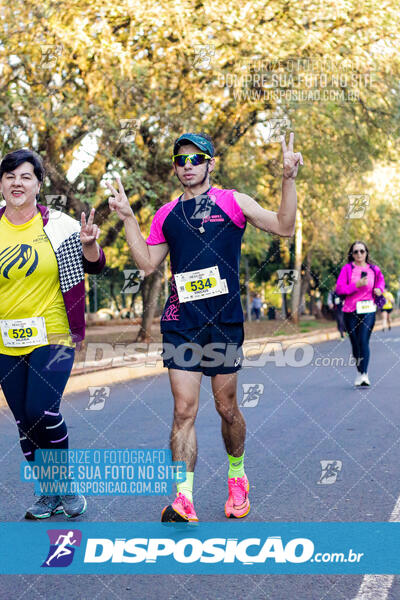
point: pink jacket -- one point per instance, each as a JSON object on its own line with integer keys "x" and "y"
{"x": 346, "y": 284}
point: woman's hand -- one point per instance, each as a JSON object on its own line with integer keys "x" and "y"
{"x": 362, "y": 282}
{"x": 89, "y": 234}
{"x": 377, "y": 292}
{"x": 89, "y": 231}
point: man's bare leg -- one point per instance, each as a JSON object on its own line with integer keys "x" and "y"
{"x": 233, "y": 425}
{"x": 233, "y": 428}
{"x": 185, "y": 387}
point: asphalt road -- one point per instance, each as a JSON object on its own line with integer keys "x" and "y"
{"x": 304, "y": 415}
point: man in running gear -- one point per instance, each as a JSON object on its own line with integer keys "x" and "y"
{"x": 202, "y": 322}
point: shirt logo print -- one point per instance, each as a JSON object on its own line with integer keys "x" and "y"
{"x": 22, "y": 256}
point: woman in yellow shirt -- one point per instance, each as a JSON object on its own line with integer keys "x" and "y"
{"x": 386, "y": 310}
{"x": 43, "y": 255}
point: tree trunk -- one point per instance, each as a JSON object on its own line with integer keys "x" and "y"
{"x": 284, "y": 306}
{"x": 296, "y": 295}
{"x": 246, "y": 283}
{"x": 114, "y": 297}
{"x": 132, "y": 306}
{"x": 150, "y": 292}
{"x": 305, "y": 283}
{"x": 95, "y": 296}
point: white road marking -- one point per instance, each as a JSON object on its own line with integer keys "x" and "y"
{"x": 377, "y": 587}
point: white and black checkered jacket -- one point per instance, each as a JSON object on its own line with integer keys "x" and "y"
{"x": 63, "y": 233}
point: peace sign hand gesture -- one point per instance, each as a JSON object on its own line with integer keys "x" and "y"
{"x": 291, "y": 160}
{"x": 89, "y": 231}
{"x": 119, "y": 202}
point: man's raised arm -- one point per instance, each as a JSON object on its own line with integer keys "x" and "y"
{"x": 283, "y": 221}
{"x": 147, "y": 258}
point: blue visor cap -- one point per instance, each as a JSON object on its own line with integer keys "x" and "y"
{"x": 202, "y": 143}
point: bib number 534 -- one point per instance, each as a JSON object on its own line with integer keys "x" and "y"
{"x": 201, "y": 284}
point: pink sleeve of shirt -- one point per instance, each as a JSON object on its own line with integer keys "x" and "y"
{"x": 344, "y": 287}
{"x": 156, "y": 229}
{"x": 225, "y": 199}
{"x": 380, "y": 281}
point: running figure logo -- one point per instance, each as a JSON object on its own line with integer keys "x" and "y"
{"x": 62, "y": 547}
{"x": 98, "y": 396}
{"x": 59, "y": 353}
{"x": 50, "y": 54}
{"x": 286, "y": 280}
{"x": 251, "y": 394}
{"x": 358, "y": 204}
{"x": 202, "y": 56}
{"x": 330, "y": 469}
{"x": 275, "y": 129}
{"x": 129, "y": 128}
{"x": 133, "y": 279}
{"x": 203, "y": 207}
{"x": 57, "y": 202}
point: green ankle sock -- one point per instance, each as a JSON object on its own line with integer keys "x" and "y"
{"x": 236, "y": 466}
{"x": 186, "y": 487}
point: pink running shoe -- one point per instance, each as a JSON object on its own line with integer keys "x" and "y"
{"x": 238, "y": 504}
{"x": 179, "y": 511}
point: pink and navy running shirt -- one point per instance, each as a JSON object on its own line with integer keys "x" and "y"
{"x": 177, "y": 223}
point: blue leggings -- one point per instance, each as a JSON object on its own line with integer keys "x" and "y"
{"x": 359, "y": 328}
{"x": 33, "y": 385}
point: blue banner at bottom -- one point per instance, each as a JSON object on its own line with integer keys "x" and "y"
{"x": 200, "y": 548}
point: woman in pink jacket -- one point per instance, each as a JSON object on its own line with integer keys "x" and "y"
{"x": 361, "y": 284}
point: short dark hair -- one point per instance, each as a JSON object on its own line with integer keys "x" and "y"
{"x": 350, "y": 252}
{"x": 201, "y": 134}
{"x": 12, "y": 160}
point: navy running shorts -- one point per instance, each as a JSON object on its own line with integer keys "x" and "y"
{"x": 213, "y": 349}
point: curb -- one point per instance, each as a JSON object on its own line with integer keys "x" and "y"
{"x": 105, "y": 376}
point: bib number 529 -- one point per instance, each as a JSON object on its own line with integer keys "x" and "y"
{"x": 20, "y": 334}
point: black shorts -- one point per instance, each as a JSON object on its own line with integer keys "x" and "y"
{"x": 214, "y": 349}
{"x": 388, "y": 310}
